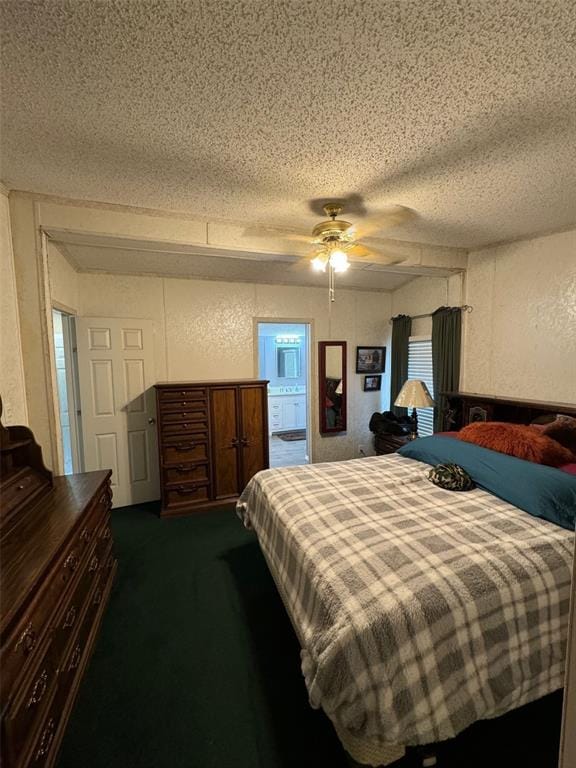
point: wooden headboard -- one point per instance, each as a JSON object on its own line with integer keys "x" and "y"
{"x": 466, "y": 407}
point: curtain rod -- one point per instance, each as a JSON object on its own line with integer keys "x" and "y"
{"x": 463, "y": 307}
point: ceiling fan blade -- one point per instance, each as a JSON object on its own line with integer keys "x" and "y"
{"x": 392, "y": 217}
{"x": 358, "y": 250}
{"x": 360, "y": 253}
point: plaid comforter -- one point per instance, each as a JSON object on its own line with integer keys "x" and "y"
{"x": 418, "y": 610}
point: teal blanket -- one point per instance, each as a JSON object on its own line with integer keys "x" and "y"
{"x": 541, "y": 491}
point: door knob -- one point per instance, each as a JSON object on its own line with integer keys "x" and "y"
{"x": 151, "y": 420}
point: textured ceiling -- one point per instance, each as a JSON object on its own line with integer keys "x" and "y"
{"x": 464, "y": 110}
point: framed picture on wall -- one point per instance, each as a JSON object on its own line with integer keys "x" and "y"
{"x": 372, "y": 383}
{"x": 370, "y": 359}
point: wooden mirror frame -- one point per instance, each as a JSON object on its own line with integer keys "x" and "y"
{"x": 324, "y": 428}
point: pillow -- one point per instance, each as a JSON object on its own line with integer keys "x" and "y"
{"x": 523, "y": 442}
{"x": 563, "y": 430}
{"x": 451, "y": 477}
{"x": 541, "y": 491}
{"x": 570, "y": 468}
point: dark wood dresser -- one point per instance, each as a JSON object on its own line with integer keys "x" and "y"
{"x": 212, "y": 438}
{"x": 57, "y": 568}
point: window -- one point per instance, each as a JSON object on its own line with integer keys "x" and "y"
{"x": 420, "y": 367}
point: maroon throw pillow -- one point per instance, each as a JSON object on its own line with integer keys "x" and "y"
{"x": 570, "y": 468}
{"x": 523, "y": 442}
{"x": 563, "y": 430}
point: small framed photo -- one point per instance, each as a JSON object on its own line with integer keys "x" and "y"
{"x": 370, "y": 359}
{"x": 372, "y": 383}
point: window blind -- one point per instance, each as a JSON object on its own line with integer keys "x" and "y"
{"x": 420, "y": 367}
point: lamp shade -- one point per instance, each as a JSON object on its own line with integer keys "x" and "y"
{"x": 414, "y": 394}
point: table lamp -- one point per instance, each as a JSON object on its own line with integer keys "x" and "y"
{"x": 414, "y": 394}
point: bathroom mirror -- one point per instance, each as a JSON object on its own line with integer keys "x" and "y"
{"x": 288, "y": 362}
{"x": 333, "y": 391}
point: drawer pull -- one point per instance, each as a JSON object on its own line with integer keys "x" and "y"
{"x": 75, "y": 660}
{"x": 94, "y": 563}
{"x": 27, "y": 640}
{"x": 185, "y": 446}
{"x": 71, "y": 562}
{"x": 106, "y": 535}
{"x": 184, "y": 491}
{"x": 39, "y": 690}
{"x": 184, "y": 403}
{"x": 85, "y": 535}
{"x": 46, "y": 739}
{"x": 97, "y": 597}
{"x": 182, "y": 470}
{"x": 70, "y": 618}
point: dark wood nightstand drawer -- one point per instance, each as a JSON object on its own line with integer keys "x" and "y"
{"x": 389, "y": 443}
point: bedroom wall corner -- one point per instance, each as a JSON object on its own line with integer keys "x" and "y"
{"x": 12, "y": 386}
{"x": 521, "y": 337}
{"x": 424, "y": 295}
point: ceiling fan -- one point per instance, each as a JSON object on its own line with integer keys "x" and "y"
{"x": 335, "y": 242}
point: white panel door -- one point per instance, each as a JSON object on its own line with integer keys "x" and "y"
{"x": 116, "y": 372}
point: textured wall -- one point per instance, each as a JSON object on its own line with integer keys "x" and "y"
{"x": 30, "y": 281}
{"x": 425, "y": 294}
{"x": 205, "y": 330}
{"x": 63, "y": 280}
{"x": 521, "y": 336}
{"x": 11, "y": 365}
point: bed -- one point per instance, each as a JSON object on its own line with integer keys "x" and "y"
{"x": 418, "y": 610}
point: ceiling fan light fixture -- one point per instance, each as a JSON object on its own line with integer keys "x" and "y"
{"x": 319, "y": 264}
{"x": 339, "y": 261}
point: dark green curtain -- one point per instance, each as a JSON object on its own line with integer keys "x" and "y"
{"x": 401, "y": 328}
{"x": 446, "y": 345}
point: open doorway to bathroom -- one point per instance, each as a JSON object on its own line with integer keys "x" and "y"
{"x": 283, "y": 359}
{"x": 68, "y": 393}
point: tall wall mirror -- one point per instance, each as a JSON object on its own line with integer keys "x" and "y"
{"x": 332, "y": 383}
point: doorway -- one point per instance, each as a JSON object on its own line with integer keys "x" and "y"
{"x": 67, "y": 387}
{"x": 283, "y": 359}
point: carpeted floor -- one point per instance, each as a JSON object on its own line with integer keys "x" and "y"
{"x": 197, "y": 666}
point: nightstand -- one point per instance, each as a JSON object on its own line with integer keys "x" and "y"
{"x": 389, "y": 443}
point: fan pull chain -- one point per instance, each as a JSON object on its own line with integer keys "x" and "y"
{"x": 331, "y": 282}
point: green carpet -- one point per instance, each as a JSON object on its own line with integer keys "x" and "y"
{"x": 197, "y": 666}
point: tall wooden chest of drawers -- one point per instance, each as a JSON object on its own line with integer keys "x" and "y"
{"x": 212, "y": 438}
{"x": 58, "y": 567}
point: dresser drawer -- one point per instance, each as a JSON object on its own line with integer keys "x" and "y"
{"x": 187, "y": 395}
{"x": 67, "y": 621}
{"x": 193, "y": 424}
{"x": 185, "y": 494}
{"x": 184, "y": 450}
{"x": 50, "y": 731}
{"x": 185, "y": 473}
{"x": 185, "y": 413}
{"x": 21, "y": 647}
{"x": 27, "y": 709}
